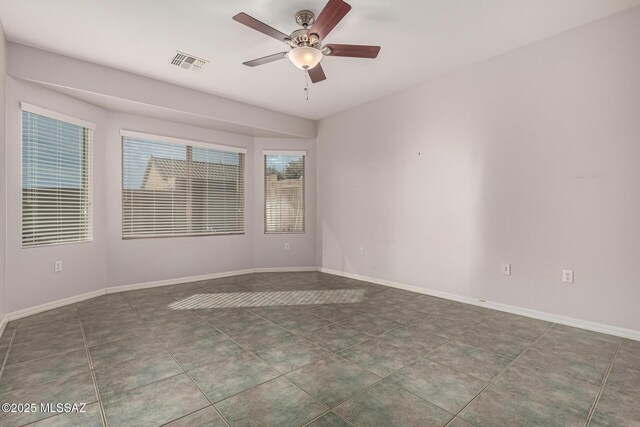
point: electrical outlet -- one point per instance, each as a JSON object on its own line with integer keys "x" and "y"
{"x": 362, "y": 252}
{"x": 506, "y": 269}
{"x": 286, "y": 246}
{"x": 57, "y": 267}
{"x": 567, "y": 276}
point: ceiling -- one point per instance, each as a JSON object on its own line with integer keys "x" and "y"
{"x": 420, "y": 39}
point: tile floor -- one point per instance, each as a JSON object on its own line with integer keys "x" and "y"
{"x": 292, "y": 349}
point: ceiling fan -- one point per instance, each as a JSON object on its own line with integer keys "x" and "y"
{"x": 306, "y": 45}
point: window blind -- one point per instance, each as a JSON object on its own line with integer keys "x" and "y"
{"x": 284, "y": 192}
{"x": 180, "y": 189}
{"x": 56, "y": 178}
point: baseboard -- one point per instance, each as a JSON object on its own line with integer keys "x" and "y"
{"x": 283, "y": 269}
{"x": 177, "y": 281}
{"x": 135, "y": 286}
{"x": 54, "y": 304}
{"x": 3, "y": 323}
{"x": 555, "y": 318}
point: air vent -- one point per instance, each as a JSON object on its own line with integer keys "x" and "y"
{"x": 188, "y": 62}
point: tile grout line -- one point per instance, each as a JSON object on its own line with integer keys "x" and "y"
{"x": 85, "y": 347}
{"x": 368, "y": 338}
{"x": 332, "y": 323}
{"x": 302, "y": 337}
{"x": 171, "y": 376}
{"x": 222, "y": 333}
{"x": 390, "y": 374}
{"x": 592, "y": 410}
{"x": 329, "y": 409}
{"x": 309, "y": 312}
{"x": 280, "y": 375}
{"x": 45, "y": 357}
{"x": 93, "y": 374}
{"x": 183, "y": 371}
{"x": 414, "y": 326}
{"x": 276, "y": 324}
{"x": 509, "y": 365}
{"x": 15, "y": 331}
{"x": 25, "y": 343}
{"x": 346, "y": 421}
{"x": 269, "y": 321}
{"x": 6, "y": 356}
{"x": 297, "y": 334}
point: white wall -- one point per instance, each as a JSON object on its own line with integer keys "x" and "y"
{"x": 269, "y": 248}
{"x": 111, "y": 261}
{"x": 142, "y": 95}
{"x": 108, "y": 260}
{"x": 145, "y": 260}
{"x": 3, "y": 99}
{"x": 530, "y": 158}
{"x": 30, "y": 277}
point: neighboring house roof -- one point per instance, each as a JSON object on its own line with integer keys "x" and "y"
{"x": 170, "y": 170}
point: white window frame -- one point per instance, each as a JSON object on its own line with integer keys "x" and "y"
{"x": 186, "y": 142}
{"x": 181, "y": 141}
{"x": 34, "y": 109}
{"x": 275, "y": 152}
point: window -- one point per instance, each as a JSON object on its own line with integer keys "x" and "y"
{"x": 284, "y": 191}
{"x": 56, "y": 178}
{"x": 173, "y": 187}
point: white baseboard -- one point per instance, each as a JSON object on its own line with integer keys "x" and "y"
{"x": 283, "y": 269}
{"x": 3, "y": 323}
{"x": 555, "y": 318}
{"x": 54, "y": 304}
{"x": 135, "y": 286}
{"x": 167, "y": 282}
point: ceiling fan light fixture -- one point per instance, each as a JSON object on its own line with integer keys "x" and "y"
{"x": 305, "y": 44}
{"x": 305, "y": 57}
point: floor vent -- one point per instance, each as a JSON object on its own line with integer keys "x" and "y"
{"x": 188, "y": 62}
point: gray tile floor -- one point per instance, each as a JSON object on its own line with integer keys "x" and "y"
{"x": 291, "y": 349}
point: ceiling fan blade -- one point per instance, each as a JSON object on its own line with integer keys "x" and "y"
{"x": 332, "y": 13}
{"x": 266, "y": 59}
{"x": 353, "y": 50}
{"x": 252, "y": 22}
{"x": 317, "y": 74}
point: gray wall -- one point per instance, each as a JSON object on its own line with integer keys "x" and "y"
{"x": 146, "y": 260}
{"x": 110, "y": 261}
{"x": 30, "y": 277}
{"x": 530, "y": 158}
{"x": 3, "y": 96}
{"x": 124, "y": 91}
{"x": 269, "y": 248}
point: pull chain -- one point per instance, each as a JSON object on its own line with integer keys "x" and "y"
{"x": 306, "y": 84}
